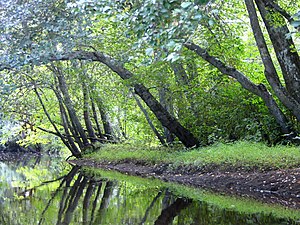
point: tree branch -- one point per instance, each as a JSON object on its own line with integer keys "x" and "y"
{"x": 259, "y": 90}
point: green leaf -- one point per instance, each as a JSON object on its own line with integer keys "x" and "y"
{"x": 106, "y": 8}
{"x": 173, "y": 57}
{"x": 171, "y": 44}
{"x": 149, "y": 51}
{"x": 211, "y": 22}
{"x": 177, "y": 11}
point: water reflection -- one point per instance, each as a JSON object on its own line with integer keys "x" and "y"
{"x": 78, "y": 198}
{"x": 99, "y": 198}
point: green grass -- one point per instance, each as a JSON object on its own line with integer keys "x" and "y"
{"x": 239, "y": 204}
{"x": 239, "y": 154}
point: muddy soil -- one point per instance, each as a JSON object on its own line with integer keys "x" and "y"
{"x": 272, "y": 186}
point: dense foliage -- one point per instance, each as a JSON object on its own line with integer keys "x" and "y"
{"x": 197, "y": 72}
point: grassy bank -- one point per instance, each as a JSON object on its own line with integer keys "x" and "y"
{"x": 245, "y": 155}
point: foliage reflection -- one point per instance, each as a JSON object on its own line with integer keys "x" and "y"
{"x": 80, "y": 198}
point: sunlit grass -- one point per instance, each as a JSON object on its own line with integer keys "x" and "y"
{"x": 239, "y": 154}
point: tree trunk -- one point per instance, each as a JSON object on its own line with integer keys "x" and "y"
{"x": 86, "y": 112}
{"x": 160, "y": 138}
{"x": 100, "y": 134}
{"x": 259, "y": 90}
{"x": 284, "y": 47}
{"x": 66, "y": 124}
{"x": 108, "y": 130}
{"x": 270, "y": 70}
{"x": 74, "y": 151}
{"x": 183, "y": 134}
{"x": 69, "y": 105}
{"x": 166, "y": 102}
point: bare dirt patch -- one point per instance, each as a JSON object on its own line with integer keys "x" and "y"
{"x": 272, "y": 186}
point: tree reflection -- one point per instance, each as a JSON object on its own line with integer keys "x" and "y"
{"x": 90, "y": 198}
{"x": 169, "y": 213}
{"x": 80, "y": 198}
{"x": 74, "y": 187}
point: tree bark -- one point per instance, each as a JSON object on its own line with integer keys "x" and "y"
{"x": 155, "y": 131}
{"x": 259, "y": 90}
{"x": 108, "y": 130}
{"x": 65, "y": 119}
{"x": 95, "y": 116}
{"x": 270, "y": 70}
{"x": 86, "y": 112}
{"x": 184, "y": 135}
{"x": 66, "y": 124}
{"x": 284, "y": 47}
{"x": 69, "y": 105}
{"x": 166, "y": 102}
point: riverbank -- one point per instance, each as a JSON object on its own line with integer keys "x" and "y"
{"x": 244, "y": 169}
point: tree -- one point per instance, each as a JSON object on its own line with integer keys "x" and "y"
{"x": 168, "y": 45}
{"x": 161, "y": 113}
{"x": 167, "y": 35}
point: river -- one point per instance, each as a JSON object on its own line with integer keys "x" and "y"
{"x": 44, "y": 190}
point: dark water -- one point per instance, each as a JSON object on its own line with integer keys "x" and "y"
{"x": 37, "y": 190}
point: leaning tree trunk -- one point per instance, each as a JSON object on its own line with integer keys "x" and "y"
{"x": 108, "y": 130}
{"x": 74, "y": 151}
{"x": 283, "y": 45}
{"x": 66, "y": 124}
{"x": 165, "y": 117}
{"x": 259, "y": 90}
{"x": 65, "y": 119}
{"x": 69, "y": 105}
{"x": 271, "y": 75}
{"x": 86, "y": 112}
{"x": 155, "y": 131}
{"x": 167, "y": 120}
{"x": 95, "y": 116}
{"x": 167, "y": 104}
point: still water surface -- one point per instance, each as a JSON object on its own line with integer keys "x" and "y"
{"x": 35, "y": 190}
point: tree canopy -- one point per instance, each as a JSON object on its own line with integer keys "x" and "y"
{"x": 190, "y": 71}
